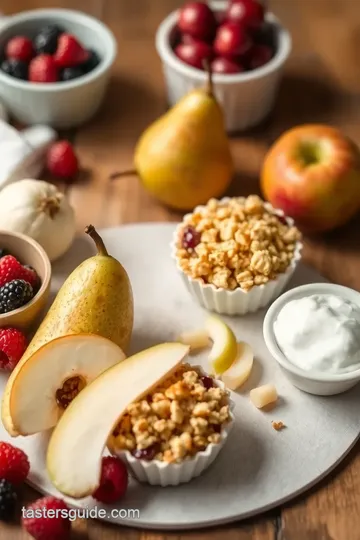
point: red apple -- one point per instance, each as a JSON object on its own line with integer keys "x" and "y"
{"x": 226, "y": 66}
{"x": 197, "y": 20}
{"x": 194, "y": 53}
{"x": 259, "y": 56}
{"x": 231, "y": 40}
{"x": 312, "y": 173}
{"x": 248, "y": 13}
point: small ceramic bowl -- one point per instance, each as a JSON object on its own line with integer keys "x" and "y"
{"x": 312, "y": 382}
{"x": 238, "y": 301}
{"x": 27, "y": 251}
{"x": 61, "y": 104}
{"x": 158, "y": 473}
{"x": 247, "y": 98}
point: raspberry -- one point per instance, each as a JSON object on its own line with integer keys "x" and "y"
{"x": 8, "y": 500}
{"x": 20, "y": 48}
{"x": 12, "y": 347}
{"x": 11, "y": 268}
{"x": 61, "y": 160}
{"x": 29, "y": 274}
{"x": 53, "y": 522}
{"x": 70, "y": 52}
{"x": 14, "y": 464}
{"x": 14, "y": 295}
{"x": 113, "y": 482}
{"x": 43, "y": 69}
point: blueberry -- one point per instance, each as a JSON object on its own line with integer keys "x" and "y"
{"x": 45, "y": 42}
{"x": 91, "y": 62}
{"x": 15, "y": 68}
{"x": 8, "y": 499}
{"x": 70, "y": 73}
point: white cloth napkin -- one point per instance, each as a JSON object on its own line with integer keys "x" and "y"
{"x": 22, "y": 153}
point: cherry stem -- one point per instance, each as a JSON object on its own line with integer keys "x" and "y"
{"x": 120, "y": 174}
{"x": 91, "y": 231}
{"x": 210, "y": 84}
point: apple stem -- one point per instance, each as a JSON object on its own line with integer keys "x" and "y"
{"x": 210, "y": 84}
{"x": 119, "y": 174}
{"x": 91, "y": 231}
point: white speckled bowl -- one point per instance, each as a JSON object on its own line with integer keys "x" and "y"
{"x": 158, "y": 473}
{"x": 237, "y": 302}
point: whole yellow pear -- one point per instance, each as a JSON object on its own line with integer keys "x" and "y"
{"x": 184, "y": 159}
{"x": 95, "y": 299}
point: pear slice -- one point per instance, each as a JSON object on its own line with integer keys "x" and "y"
{"x": 240, "y": 369}
{"x": 35, "y": 396}
{"x": 78, "y": 441}
{"x": 197, "y": 339}
{"x": 224, "y": 349}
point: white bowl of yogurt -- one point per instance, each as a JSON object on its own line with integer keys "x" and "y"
{"x": 313, "y": 332}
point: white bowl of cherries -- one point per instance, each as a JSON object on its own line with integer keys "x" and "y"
{"x": 54, "y": 66}
{"x": 247, "y": 48}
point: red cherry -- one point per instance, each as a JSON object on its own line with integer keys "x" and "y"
{"x": 231, "y": 40}
{"x": 190, "y": 40}
{"x": 259, "y": 56}
{"x": 225, "y": 65}
{"x": 197, "y": 19}
{"x": 248, "y": 13}
{"x": 194, "y": 53}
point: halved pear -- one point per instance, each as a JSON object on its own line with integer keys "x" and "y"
{"x": 35, "y": 395}
{"x": 240, "y": 369}
{"x": 78, "y": 441}
{"x": 224, "y": 349}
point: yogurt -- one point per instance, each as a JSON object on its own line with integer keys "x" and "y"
{"x": 320, "y": 332}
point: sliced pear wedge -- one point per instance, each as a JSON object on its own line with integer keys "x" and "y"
{"x": 36, "y": 394}
{"x": 240, "y": 369}
{"x": 197, "y": 339}
{"x": 224, "y": 349}
{"x": 78, "y": 441}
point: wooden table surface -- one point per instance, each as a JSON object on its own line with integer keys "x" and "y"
{"x": 321, "y": 84}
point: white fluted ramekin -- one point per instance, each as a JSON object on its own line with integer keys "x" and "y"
{"x": 247, "y": 98}
{"x": 158, "y": 473}
{"x": 238, "y": 301}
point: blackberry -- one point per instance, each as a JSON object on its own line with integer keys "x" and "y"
{"x": 8, "y": 500}
{"x": 91, "y": 62}
{"x": 47, "y": 39}
{"x": 3, "y": 252}
{"x": 15, "y": 68}
{"x": 15, "y": 294}
{"x": 70, "y": 73}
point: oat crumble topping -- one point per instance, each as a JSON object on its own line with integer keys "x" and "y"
{"x": 278, "y": 426}
{"x": 236, "y": 244}
{"x": 180, "y": 418}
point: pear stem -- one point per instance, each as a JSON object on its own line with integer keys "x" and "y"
{"x": 210, "y": 84}
{"x": 91, "y": 231}
{"x": 119, "y": 174}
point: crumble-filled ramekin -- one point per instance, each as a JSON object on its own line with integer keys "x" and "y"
{"x": 238, "y": 301}
{"x": 160, "y": 473}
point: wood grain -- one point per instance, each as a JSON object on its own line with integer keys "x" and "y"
{"x": 321, "y": 84}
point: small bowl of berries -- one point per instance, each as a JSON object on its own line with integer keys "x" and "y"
{"x": 25, "y": 275}
{"x": 246, "y": 46}
{"x": 54, "y": 66}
